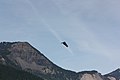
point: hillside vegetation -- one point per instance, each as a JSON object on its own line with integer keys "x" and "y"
{"x": 9, "y": 73}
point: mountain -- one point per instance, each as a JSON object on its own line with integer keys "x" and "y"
{"x": 114, "y": 75}
{"x": 23, "y": 56}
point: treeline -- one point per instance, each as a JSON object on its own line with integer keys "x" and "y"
{"x": 9, "y": 73}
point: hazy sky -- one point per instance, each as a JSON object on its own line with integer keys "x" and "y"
{"x": 90, "y": 27}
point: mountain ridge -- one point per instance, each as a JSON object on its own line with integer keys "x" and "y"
{"x": 24, "y": 56}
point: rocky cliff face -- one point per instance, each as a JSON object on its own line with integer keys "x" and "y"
{"x": 22, "y": 55}
{"x": 28, "y": 58}
{"x": 91, "y": 75}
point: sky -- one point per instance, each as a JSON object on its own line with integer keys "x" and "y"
{"x": 91, "y": 28}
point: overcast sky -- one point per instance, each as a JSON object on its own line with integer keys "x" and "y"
{"x": 90, "y": 27}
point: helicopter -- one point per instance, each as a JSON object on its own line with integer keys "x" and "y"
{"x": 64, "y": 43}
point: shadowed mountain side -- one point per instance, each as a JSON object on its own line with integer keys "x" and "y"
{"x": 114, "y": 75}
{"x": 10, "y": 73}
